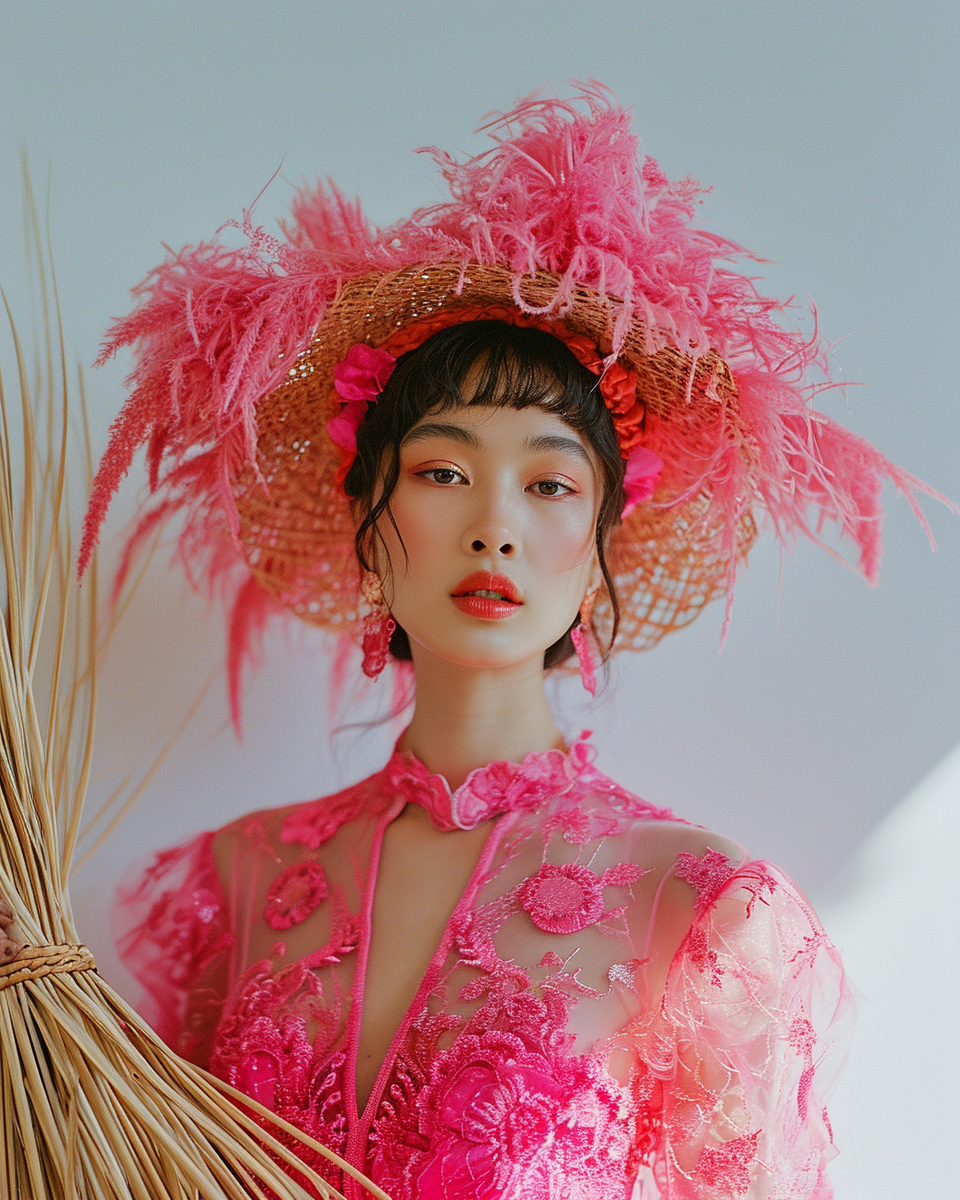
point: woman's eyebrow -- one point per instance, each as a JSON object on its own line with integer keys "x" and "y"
{"x": 553, "y": 441}
{"x": 455, "y": 433}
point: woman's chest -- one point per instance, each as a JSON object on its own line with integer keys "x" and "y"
{"x": 483, "y": 1094}
{"x": 489, "y": 1034}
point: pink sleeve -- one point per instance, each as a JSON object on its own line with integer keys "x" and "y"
{"x": 172, "y": 933}
{"x": 751, "y": 1037}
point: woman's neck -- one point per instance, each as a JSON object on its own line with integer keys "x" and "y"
{"x": 467, "y": 717}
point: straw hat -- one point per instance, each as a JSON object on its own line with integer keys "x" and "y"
{"x": 558, "y": 225}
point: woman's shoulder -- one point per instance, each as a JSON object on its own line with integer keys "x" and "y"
{"x": 657, "y": 833}
{"x": 307, "y": 823}
{"x": 700, "y": 877}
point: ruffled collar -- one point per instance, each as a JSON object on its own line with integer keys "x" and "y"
{"x": 499, "y": 787}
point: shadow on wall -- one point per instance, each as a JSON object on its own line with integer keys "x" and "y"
{"x": 896, "y": 1110}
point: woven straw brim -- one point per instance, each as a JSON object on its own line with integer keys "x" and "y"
{"x": 295, "y": 522}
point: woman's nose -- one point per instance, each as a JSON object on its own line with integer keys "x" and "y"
{"x": 492, "y": 531}
{"x": 479, "y": 546}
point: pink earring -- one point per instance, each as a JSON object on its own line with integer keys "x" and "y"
{"x": 378, "y": 627}
{"x": 585, "y": 644}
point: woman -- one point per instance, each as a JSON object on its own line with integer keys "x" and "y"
{"x": 533, "y": 421}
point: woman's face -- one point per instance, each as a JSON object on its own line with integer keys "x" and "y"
{"x": 497, "y": 511}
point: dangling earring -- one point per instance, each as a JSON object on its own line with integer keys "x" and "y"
{"x": 585, "y": 644}
{"x": 378, "y": 627}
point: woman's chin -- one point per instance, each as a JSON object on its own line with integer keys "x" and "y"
{"x": 478, "y": 653}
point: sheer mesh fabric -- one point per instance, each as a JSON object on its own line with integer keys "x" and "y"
{"x": 620, "y": 1006}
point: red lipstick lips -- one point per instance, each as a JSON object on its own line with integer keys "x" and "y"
{"x": 490, "y": 597}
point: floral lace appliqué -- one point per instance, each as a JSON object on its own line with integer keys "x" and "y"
{"x": 727, "y": 1167}
{"x": 188, "y": 922}
{"x": 803, "y": 1038}
{"x": 703, "y": 956}
{"x": 568, "y": 898}
{"x": 488, "y": 1110}
{"x": 707, "y": 874}
{"x": 312, "y": 824}
{"x": 294, "y": 894}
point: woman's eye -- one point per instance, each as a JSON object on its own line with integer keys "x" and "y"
{"x": 551, "y": 487}
{"x": 442, "y": 475}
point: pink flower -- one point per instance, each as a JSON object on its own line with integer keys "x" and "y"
{"x": 485, "y": 792}
{"x": 643, "y": 471}
{"x": 364, "y": 373}
{"x": 343, "y": 428}
{"x": 563, "y": 899}
{"x": 509, "y": 787}
{"x": 361, "y": 376}
{"x": 493, "y": 1106}
{"x": 568, "y": 898}
{"x": 294, "y": 894}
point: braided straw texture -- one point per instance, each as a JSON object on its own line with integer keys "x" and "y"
{"x": 34, "y": 962}
{"x": 667, "y": 559}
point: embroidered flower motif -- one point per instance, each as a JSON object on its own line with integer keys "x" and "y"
{"x": 263, "y": 1048}
{"x": 311, "y": 824}
{"x": 491, "y": 1106}
{"x": 580, "y": 826}
{"x": 727, "y": 1167}
{"x": 707, "y": 874}
{"x": 703, "y": 956}
{"x": 512, "y": 787}
{"x": 563, "y": 899}
{"x": 294, "y": 894}
{"x": 627, "y": 973}
{"x": 185, "y": 916}
{"x": 568, "y": 898}
{"x": 488, "y": 791}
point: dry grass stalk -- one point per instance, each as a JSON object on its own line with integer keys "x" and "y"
{"x": 93, "y": 1104}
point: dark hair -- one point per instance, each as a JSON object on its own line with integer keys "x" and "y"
{"x": 521, "y": 368}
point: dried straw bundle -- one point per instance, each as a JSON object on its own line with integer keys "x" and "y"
{"x": 93, "y": 1104}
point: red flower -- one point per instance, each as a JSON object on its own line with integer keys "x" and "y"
{"x": 361, "y": 376}
{"x": 618, "y": 386}
{"x": 294, "y": 894}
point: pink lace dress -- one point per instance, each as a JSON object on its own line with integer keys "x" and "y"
{"x": 616, "y": 1009}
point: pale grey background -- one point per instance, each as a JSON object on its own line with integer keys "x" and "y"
{"x": 829, "y": 134}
